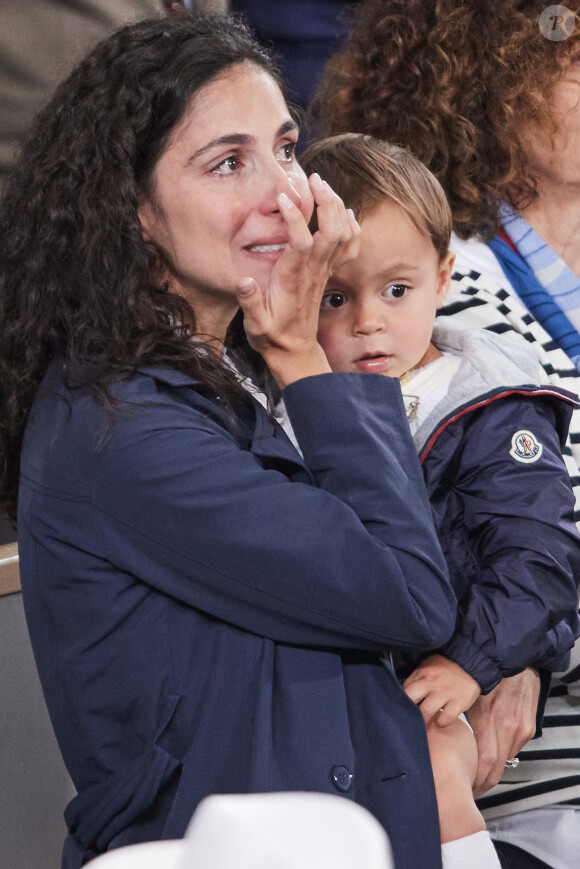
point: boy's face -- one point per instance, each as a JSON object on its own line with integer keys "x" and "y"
{"x": 377, "y": 311}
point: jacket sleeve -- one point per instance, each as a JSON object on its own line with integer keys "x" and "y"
{"x": 519, "y": 606}
{"x": 350, "y": 561}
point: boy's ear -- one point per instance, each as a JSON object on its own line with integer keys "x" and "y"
{"x": 444, "y": 277}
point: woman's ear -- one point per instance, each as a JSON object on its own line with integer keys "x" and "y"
{"x": 150, "y": 219}
{"x": 444, "y": 277}
{"x": 145, "y": 215}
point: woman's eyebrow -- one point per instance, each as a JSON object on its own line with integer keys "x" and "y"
{"x": 231, "y": 139}
{"x": 243, "y": 138}
{"x": 286, "y": 127}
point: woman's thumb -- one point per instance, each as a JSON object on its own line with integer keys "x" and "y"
{"x": 246, "y": 287}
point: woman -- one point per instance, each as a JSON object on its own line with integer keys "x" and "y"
{"x": 209, "y": 609}
{"x": 490, "y": 101}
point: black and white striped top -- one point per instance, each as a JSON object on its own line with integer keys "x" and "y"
{"x": 549, "y": 769}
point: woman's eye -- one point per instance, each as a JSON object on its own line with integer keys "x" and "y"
{"x": 333, "y": 300}
{"x": 396, "y": 291}
{"x": 287, "y": 152}
{"x": 227, "y": 166}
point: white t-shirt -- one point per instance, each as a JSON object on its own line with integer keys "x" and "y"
{"x": 423, "y": 388}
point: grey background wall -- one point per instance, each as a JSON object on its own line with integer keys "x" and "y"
{"x": 34, "y": 783}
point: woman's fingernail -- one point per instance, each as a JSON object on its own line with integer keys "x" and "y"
{"x": 317, "y": 181}
{"x": 285, "y": 202}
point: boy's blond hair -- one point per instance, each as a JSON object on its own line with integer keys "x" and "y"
{"x": 364, "y": 171}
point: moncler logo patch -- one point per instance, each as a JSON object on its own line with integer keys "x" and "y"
{"x": 525, "y": 447}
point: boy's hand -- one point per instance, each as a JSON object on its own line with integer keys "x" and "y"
{"x": 442, "y": 689}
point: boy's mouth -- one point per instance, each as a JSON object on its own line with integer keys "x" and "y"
{"x": 373, "y": 363}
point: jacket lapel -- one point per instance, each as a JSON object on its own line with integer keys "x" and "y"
{"x": 270, "y": 442}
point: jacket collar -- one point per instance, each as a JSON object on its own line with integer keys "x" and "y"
{"x": 269, "y": 440}
{"x": 492, "y": 367}
{"x": 170, "y": 376}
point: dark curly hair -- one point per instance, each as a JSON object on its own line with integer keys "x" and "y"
{"x": 75, "y": 273}
{"x": 451, "y": 81}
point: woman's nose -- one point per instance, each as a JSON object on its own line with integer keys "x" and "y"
{"x": 276, "y": 180}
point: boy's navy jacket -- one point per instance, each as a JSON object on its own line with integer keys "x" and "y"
{"x": 209, "y": 611}
{"x": 503, "y": 506}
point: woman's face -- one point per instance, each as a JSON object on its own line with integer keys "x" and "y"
{"x": 213, "y": 209}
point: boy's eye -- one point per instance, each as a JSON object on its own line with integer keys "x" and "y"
{"x": 227, "y": 166}
{"x": 333, "y": 300}
{"x": 396, "y": 291}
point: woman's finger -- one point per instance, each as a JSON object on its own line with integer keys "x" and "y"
{"x": 334, "y": 225}
{"x": 487, "y": 764}
{"x": 299, "y": 245}
{"x": 257, "y": 319}
{"x": 350, "y": 249}
{"x": 502, "y": 721}
{"x": 299, "y": 236}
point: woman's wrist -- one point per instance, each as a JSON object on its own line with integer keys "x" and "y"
{"x": 288, "y": 367}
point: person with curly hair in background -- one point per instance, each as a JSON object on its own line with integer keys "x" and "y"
{"x": 487, "y": 94}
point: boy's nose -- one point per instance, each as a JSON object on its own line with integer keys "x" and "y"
{"x": 368, "y": 321}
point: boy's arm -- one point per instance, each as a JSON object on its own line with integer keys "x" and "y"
{"x": 502, "y": 721}
{"x": 518, "y": 606}
{"x": 442, "y": 689}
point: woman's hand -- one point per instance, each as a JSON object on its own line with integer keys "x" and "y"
{"x": 281, "y": 320}
{"x": 503, "y": 721}
{"x": 442, "y": 689}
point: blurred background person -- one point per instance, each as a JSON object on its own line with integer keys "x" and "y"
{"x": 40, "y": 40}
{"x": 305, "y": 33}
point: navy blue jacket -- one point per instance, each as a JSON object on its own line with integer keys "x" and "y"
{"x": 208, "y": 610}
{"x": 505, "y": 519}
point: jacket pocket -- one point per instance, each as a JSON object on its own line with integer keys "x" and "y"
{"x": 100, "y": 813}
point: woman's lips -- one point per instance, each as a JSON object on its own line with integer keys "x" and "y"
{"x": 266, "y": 250}
{"x": 376, "y": 364}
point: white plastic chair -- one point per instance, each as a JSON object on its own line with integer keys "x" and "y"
{"x": 266, "y": 831}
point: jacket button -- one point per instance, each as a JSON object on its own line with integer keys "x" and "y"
{"x": 341, "y": 778}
